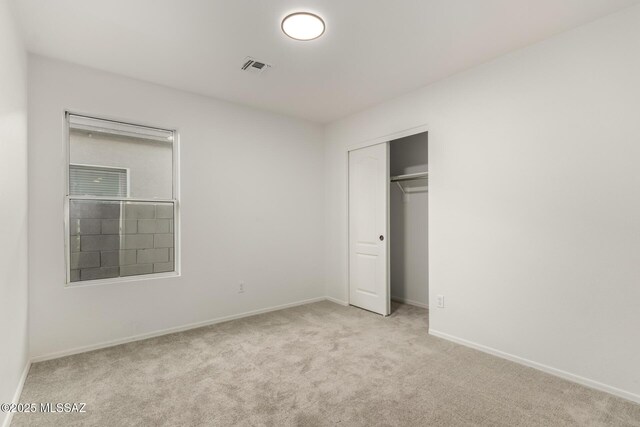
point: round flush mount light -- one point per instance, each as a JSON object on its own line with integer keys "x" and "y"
{"x": 303, "y": 26}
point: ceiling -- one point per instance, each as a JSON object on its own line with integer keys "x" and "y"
{"x": 372, "y": 49}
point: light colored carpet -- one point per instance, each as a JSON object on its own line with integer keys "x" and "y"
{"x": 319, "y": 364}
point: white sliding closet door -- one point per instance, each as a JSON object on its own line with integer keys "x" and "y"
{"x": 368, "y": 225}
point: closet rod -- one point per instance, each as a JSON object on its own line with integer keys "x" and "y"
{"x": 410, "y": 176}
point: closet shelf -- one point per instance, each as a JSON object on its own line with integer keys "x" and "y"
{"x": 410, "y": 177}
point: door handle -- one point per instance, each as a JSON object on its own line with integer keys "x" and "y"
{"x": 381, "y": 237}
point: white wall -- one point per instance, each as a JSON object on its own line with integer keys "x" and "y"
{"x": 251, "y": 205}
{"x": 409, "y": 215}
{"x": 149, "y": 162}
{"x": 13, "y": 216}
{"x": 534, "y": 201}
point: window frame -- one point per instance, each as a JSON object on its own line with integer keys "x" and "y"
{"x": 175, "y": 163}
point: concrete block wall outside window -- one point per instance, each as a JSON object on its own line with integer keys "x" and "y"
{"x": 105, "y": 242}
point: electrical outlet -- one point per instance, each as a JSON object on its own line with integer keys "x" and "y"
{"x": 440, "y": 301}
{"x": 241, "y": 287}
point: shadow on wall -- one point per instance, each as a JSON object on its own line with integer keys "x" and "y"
{"x": 398, "y": 243}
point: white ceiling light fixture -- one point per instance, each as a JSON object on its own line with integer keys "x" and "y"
{"x": 303, "y": 26}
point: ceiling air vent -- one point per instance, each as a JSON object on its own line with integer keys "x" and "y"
{"x": 252, "y": 65}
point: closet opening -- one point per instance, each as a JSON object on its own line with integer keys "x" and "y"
{"x": 387, "y": 224}
{"x": 408, "y": 221}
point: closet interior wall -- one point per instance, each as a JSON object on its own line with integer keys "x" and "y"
{"x": 409, "y": 219}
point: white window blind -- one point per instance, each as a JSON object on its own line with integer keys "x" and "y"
{"x": 85, "y": 180}
{"x": 108, "y": 127}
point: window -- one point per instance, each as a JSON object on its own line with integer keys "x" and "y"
{"x": 121, "y": 199}
{"x": 86, "y": 180}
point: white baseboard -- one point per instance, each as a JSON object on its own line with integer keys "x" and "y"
{"x": 410, "y": 302}
{"x": 16, "y": 396}
{"x": 337, "y": 301}
{"x": 539, "y": 366}
{"x": 105, "y": 344}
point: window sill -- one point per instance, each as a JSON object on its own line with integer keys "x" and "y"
{"x": 126, "y": 279}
